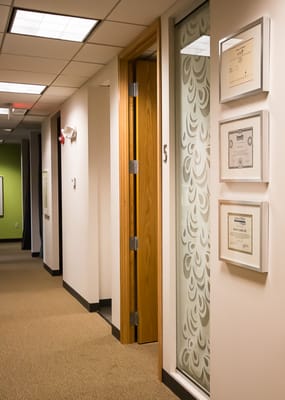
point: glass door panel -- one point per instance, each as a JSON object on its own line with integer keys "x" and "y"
{"x": 192, "y": 195}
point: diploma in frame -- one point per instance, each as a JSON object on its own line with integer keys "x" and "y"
{"x": 244, "y": 61}
{"x": 244, "y": 144}
{"x": 243, "y": 234}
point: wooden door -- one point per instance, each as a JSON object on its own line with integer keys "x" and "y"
{"x": 146, "y": 200}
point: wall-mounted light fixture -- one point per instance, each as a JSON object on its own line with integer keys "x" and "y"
{"x": 69, "y": 132}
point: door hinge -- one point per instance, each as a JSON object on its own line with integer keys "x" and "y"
{"x": 134, "y": 243}
{"x": 134, "y": 318}
{"x": 133, "y": 166}
{"x": 133, "y": 89}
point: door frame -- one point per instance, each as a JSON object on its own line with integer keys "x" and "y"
{"x": 149, "y": 37}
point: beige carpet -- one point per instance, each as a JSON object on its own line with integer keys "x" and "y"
{"x": 52, "y": 348}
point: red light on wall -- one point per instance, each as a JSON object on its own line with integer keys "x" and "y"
{"x": 25, "y": 106}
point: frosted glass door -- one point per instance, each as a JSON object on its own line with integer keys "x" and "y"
{"x": 192, "y": 199}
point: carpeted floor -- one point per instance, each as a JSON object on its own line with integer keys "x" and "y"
{"x": 51, "y": 348}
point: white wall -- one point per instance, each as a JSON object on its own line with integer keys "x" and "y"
{"x": 109, "y": 76}
{"x": 99, "y": 164}
{"x": 93, "y": 160}
{"x": 50, "y": 223}
{"x": 80, "y": 244}
{"x": 247, "y": 325}
{"x": 34, "y": 191}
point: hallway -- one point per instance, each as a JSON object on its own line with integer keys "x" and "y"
{"x": 51, "y": 348}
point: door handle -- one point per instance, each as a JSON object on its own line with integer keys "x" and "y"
{"x": 165, "y": 154}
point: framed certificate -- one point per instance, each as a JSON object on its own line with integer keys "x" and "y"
{"x": 243, "y": 234}
{"x": 244, "y": 61}
{"x": 244, "y": 144}
{"x": 1, "y": 197}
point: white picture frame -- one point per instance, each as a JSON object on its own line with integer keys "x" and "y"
{"x": 243, "y": 234}
{"x": 1, "y": 196}
{"x": 244, "y": 148}
{"x": 244, "y": 61}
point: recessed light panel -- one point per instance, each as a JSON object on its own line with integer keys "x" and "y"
{"x": 4, "y": 111}
{"x": 200, "y": 47}
{"x": 21, "y": 88}
{"x": 51, "y": 26}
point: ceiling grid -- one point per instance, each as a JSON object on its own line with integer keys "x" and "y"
{"x": 64, "y": 66}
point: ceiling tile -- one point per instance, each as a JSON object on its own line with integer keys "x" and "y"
{"x": 31, "y": 64}
{"x": 45, "y": 108}
{"x": 34, "y": 118}
{"x": 70, "y": 80}
{"x": 81, "y": 69}
{"x": 90, "y": 9}
{"x": 139, "y": 12}
{"x": 97, "y": 54}
{"x": 6, "y": 2}
{"x": 115, "y": 33}
{"x": 4, "y": 13}
{"x": 55, "y": 91}
{"x": 39, "y": 47}
{"x": 26, "y": 77}
{"x": 38, "y": 111}
{"x": 10, "y": 98}
{"x": 11, "y": 123}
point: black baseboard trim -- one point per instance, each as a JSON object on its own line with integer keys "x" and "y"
{"x": 52, "y": 272}
{"x": 105, "y": 303}
{"x": 91, "y": 307}
{"x": 175, "y": 387}
{"x": 10, "y": 240}
{"x": 116, "y": 332}
{"x": 36, "y": 254}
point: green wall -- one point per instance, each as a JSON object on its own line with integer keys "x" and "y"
{"x": 10, "y": 168}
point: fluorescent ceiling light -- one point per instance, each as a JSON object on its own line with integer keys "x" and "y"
{"x": 51, "y": 26}
{"x": 200, "y": 47}
{"x": 4, "y": 111}
{"x": 21, "y": 88}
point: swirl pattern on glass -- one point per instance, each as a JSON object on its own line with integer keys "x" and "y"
{"x": 192, "y": 202}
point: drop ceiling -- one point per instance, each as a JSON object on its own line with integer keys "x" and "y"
{"x": 65, "y": 66}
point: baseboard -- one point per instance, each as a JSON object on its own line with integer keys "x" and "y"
{"x": 105, "y": 302}
{"x": 175, "y": 387}
{"x": 116, "y": 332}
{"x": 91, "y": 307}
{"x": 10, "y": 240}
{"x": 36, "y": 254}
{"x": 53, "y": 272}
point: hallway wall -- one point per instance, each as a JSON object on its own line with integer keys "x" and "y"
{"x": 50, "y": 218}
{"x": 11, "y": 225}
{"x": 247, "y": 330}
{"x": 99, "y": 166}
{"x": 34, "y": 190}
{"x": 108, "y": 76}
{"x": 90, "y": 266}
{"x": 80, "y": 238}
